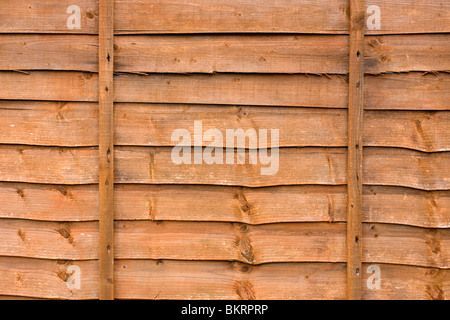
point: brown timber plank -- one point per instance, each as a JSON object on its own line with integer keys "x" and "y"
{"x": 408, "y": 283}
{"x": 405, "y": 53}
{"x": 326, "y": 54}
{"x": 41, "y": 123}
{"x": 394, "y": 205}
{"x": 407, "y": 91}
{"x": 355, "y": 147}
{"x": 106, "y": 150}
{"x": 279, "y": 242}
{"x": 382, "y": 166}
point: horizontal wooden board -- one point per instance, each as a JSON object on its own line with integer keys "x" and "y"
{"x": 419, "y": 130}
{"x": 51, "y": 85}
{"x": 232, "y": 53}
{"x": 401, "y": 167}
{"x": 407, "y": 283}
{"x": 41, "y": 123}
{"x": 382, "y": 166}
{"x": 408, "y": 91}
{"x": 49, "y": 52}
{"x": 151, "y": 279}
{"x": 327, "y": 54}
{"x": 280, "y": 242}
{"x": 155, "y": 165}
{"x": 393, "y": 205}
{"x": 165, "y": 279}
{"x": 177, "y": 240}
{"x": 49, "y": 16}
{"x": 405, "y": 53}
{"x": 429, "y": 209}
{"x": 221, "y": 16}
{"x": 394, "y": 244}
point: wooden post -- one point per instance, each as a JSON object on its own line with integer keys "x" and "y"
{"x": 106, "y": 150}
{"x": 355, "y": 149}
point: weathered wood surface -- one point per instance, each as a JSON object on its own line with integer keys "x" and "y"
{"x": 106, "y": 149}
{"x": 408, "y": 283}
{"x": 226, "y": 53}
{"x": 280, "y": 242}
{"x": 355, "y": 148}
{"x": 233, "y": 53}
{"x": 408, "y": 91}
{"x": 155, "y": 165}
{"x": 177, "y": 240}
{"x": 429, "y": 209}
{"x": 166, "y": 279}
{"x": 382, "y": 166}
{"x": 404, "y": 53}
{"x": 151, "y": 279}
{"x": 394, "y": 244}
{"x": 48, "y": 52}
{"x": 221, "y": 16}
{"x": 401, "y": 167}
{"x": 43, "y": 123}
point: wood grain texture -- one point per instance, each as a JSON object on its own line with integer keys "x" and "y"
{"x": 35, "y": 278}
{"x": 42, "y": 123}
{"x": 106, "y": 149}
{"x": 418, "y": 130}
{"x": 394, "y": 244}
{"x": 177, "y": 240}
{"x": 49, "y": 52}
{"x": 401, "y": 167}
{"x": 280, "y": 242}
{"x": 408, "y": 283}
{"x": 326, "y": 54}
{"x": 394, "y": 205}
{"x": 166, "y": 279}
{"x": 49, "y": 16}
{"x": 243, "y": 89}
{"x": 382, "y": 166}
{"x": 405, "y": 53}
{"x": 220, "y": 16}
{"x": 50, "y": 85}
{"x": 408, "y": 91}
{"x": 355, "y": 148}
{"x": 232, "y": 53}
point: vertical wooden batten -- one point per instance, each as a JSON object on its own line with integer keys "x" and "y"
{"x": 106, "y": 150}
{"x": 355, "y": 149}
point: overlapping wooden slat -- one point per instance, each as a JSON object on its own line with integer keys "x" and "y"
{"x": 408, "y": 91}
{"x": 401, "y": 167}
{"x": 189, "y": 203}
{"x": 165, "y": 279}
{"x": 226, "y": 53}
{"x": 233, "y": 53}
{"x": 42, "y": 123}
{"x": 221, "y": 16}
{"x": 382, "y": 166}
{"x": 49, "y": 52}
{"x": 37, "y": 278}
{"x": 407, "y": 283}
{"x": 394, "y": 244}
{"x": 320, "y": 242}
{"x": 155, "y": 165}
{"x": 177, "y": 240}
{"x": 404, "y": 53}
{"x": 393, "y": 205}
